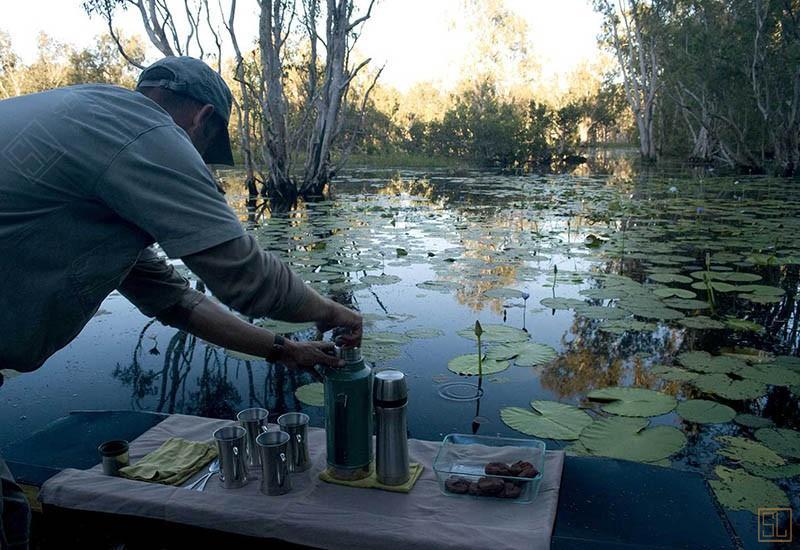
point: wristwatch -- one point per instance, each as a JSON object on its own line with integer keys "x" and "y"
{"x": 278, "y": 346}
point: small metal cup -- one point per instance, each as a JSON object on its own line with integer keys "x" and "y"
{"x": 254, "y": 421}
{"x": 274, "y": 447}
{"x": 296, "y": 425}
{"x": 114, "y": 456}
{"x": 231, "y": 448}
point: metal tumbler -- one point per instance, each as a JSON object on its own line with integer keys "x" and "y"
{"x": 114, "y": 455}
{"x": 391, "y": 435}
{"x": 296, "y": 425}
{"x": 274, "y": 448}
{"x": 254, "y": 421}
{"x": 231, "y": 447}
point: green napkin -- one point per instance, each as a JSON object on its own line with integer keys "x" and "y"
{"x": 173, "y": 463}
{"x": 371, "y": 482}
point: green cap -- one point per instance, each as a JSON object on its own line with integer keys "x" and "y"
{"x": 193, "y": 78}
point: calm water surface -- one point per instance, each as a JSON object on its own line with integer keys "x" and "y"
{"x": 544, "y": 235}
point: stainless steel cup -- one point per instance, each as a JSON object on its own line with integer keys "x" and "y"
{"x": 231, "y": 448}
{"x": 254, "y": 421}
{"x": 296, "y": 425}
{"x": 274, "y": 447}
{"x": 114, "y": 455}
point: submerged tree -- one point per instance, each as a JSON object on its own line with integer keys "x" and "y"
{"x": 629, "y": 31}
{"x": 277, "y": 120}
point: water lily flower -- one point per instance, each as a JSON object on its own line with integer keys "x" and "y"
{"x": 673, "y": 189}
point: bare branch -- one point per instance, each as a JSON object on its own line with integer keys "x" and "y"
{"x": 360, "y": 20}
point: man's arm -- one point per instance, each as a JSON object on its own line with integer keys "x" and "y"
{"x": 258, "y": 284}
{"x": 159, "y": 291}
{"x": 214, "y": 324}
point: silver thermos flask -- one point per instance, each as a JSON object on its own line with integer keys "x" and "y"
{"x": 391, "y": 435}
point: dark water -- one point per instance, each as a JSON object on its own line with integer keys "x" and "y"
{"x": 480, "y": 231}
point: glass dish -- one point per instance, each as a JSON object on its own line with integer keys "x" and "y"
{"x": 466, "y": 456}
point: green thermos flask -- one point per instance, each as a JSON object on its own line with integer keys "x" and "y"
{"x": 348, "y": 416}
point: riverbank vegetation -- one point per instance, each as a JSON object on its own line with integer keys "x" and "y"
{"x": 707, "y": 81}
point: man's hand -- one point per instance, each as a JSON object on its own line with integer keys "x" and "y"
{"x": 306, "y": 355}
{"x": 338, "y": 316}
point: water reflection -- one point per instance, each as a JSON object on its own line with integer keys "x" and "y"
{"x": 486, "y": 232}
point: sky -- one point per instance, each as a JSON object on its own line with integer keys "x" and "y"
{"x": 415, "y": 39}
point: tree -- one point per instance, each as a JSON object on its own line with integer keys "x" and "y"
{"x": 277, "y": 119}
{"x": 102, "y": 63}
{"x": 775, "y": 77}
{"x": 10, "y": 84}
{"x": 630, "y": 30}
{"x": 58, "y": 64}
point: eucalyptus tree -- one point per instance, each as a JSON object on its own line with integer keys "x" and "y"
{"x": 276, "y": 126}
{"x": 775, "y": 78}
{"x": 630, "y": 29}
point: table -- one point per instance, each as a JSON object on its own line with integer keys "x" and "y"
{"x": 316, "y": 513}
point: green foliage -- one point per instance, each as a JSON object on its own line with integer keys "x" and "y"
{"x": 727, "y": 75}
{"x": 58, "y": 64}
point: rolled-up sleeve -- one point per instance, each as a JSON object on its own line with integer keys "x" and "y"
{"x": 157, "y": 290}
{"x": 250, "y": 280}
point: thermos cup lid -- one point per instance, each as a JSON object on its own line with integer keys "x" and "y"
{"x": 390, "y": 385}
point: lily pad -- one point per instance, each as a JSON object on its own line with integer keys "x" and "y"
{"x": 752, "y": 421}
{"x": 743, "y": 325}
{"x": 562, "y": 303}
{"x": 761, "y": 290}
{"x": 283, "y": 327}
{"x": 525, "y": 354}
{"x": 768, "y": 373}
{"x": 783, "y": 441}
{"x": 373, "y": 351}
{"x": 382, "y": 279}
{"x": 424, "y": 333}
{"x": 503, "y": 293}
{"x": 440, "y": 286}
{"x": 741, "y": 449}
{"x": 701, "y": 322}
{"x": 680, "y": 303}
{"x": 468, "y": 365}
{"x": 312, "y": 394}
{"x": 728, "y": 387}
{"x": 383, "y": 338}
{"x": 702, "y": 411}
{"x": 631, "y": 439}
{"x": 656, "y": 313}
{"x": 674, "y": 293}
{"x": 773, "y": 472}
{"x": 738, "y": 490}
{"x": 496, "y": 333}
{"x": 669, "y": 278}
{"x": 718, "y": 286}
{"x": 702, "y": 361}
{"x": 673, "y": 374}
{"x": 633, "y": 401}
{"x": 549, "y": 419}
{"x": 600, "y": 312}
{"x": 621, "y": 326}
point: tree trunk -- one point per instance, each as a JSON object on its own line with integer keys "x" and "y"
{"x": 281, "y": 188}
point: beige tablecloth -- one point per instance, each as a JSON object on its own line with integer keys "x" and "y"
{"x": 316, "y": 513}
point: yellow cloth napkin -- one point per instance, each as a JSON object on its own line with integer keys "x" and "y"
{"x": 371, "y": 482}
{"x": 173, "y": 463}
